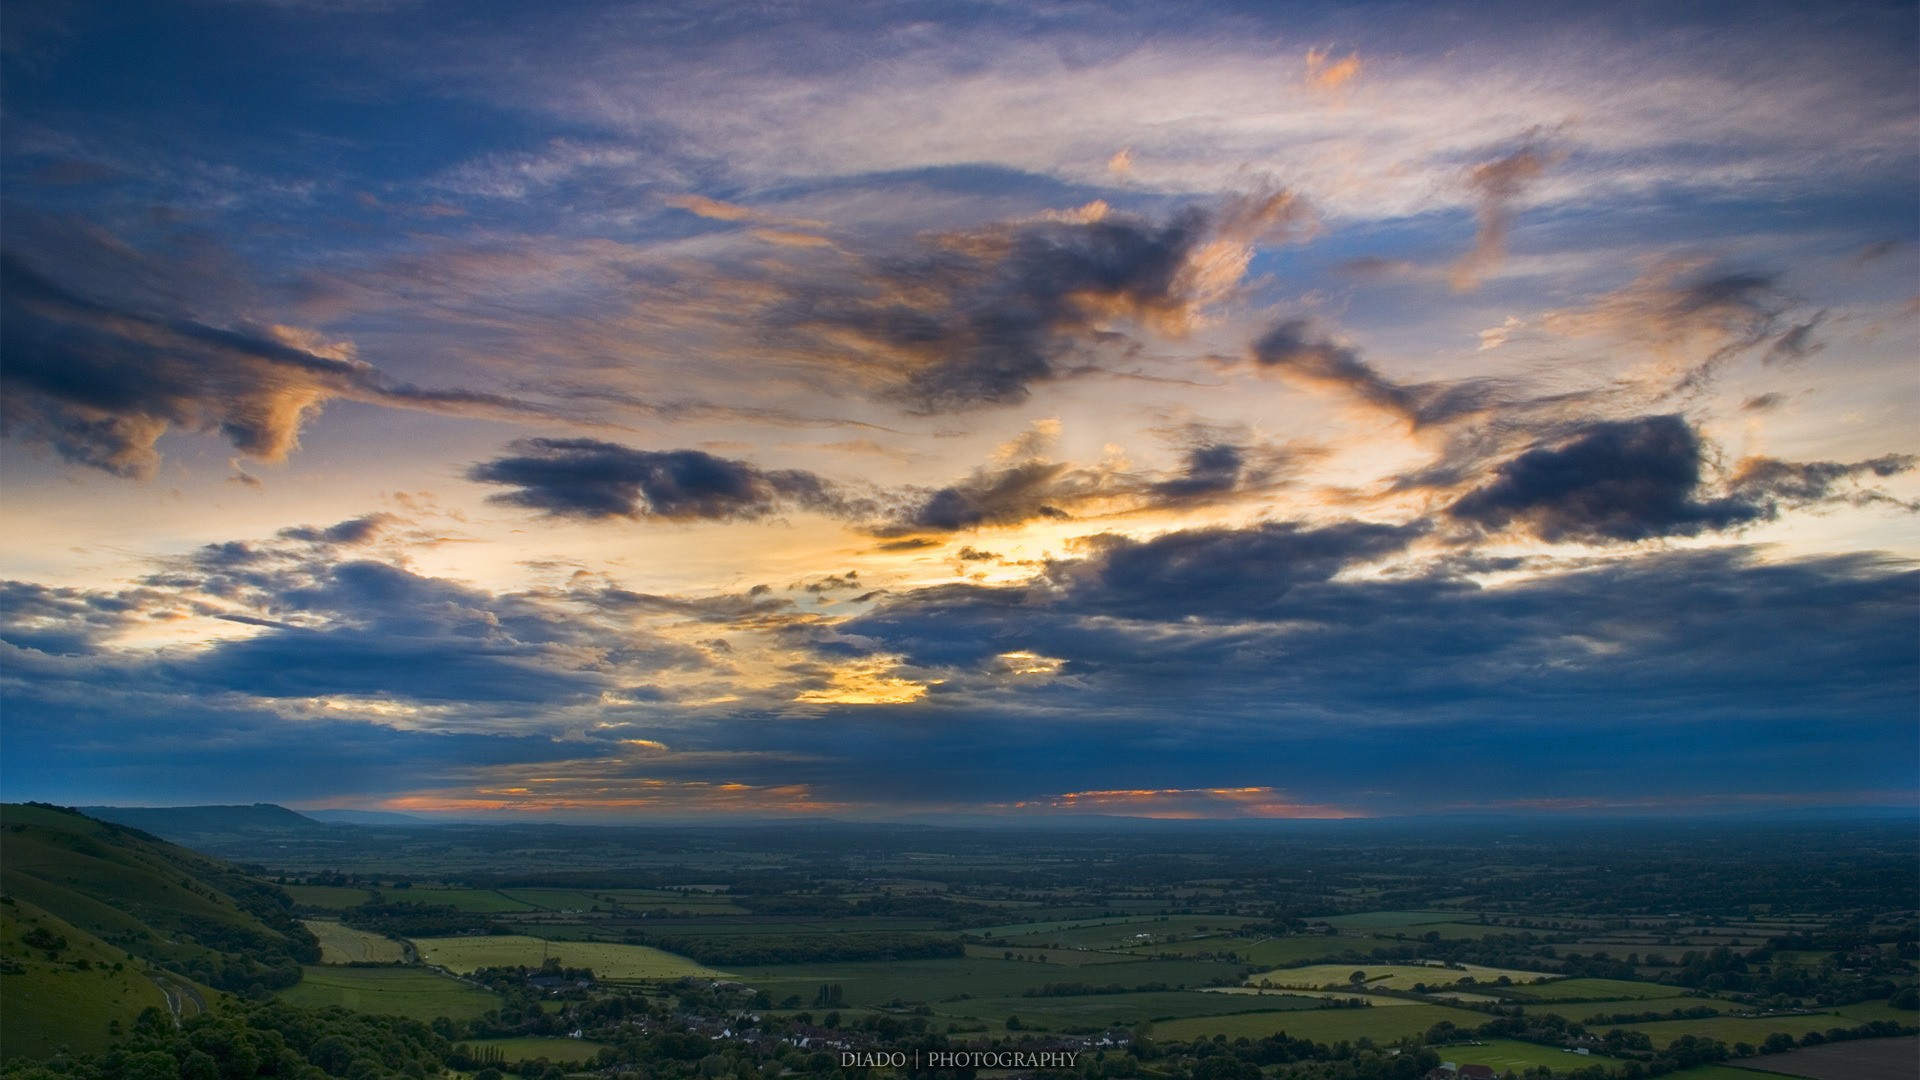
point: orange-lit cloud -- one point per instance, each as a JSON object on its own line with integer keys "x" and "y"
{"x": 1326, "y": 74}
{"x": 1189, "y": 803}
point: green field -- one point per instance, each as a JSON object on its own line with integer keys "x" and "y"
{"x": 1390, "y": 920}
{"x": 328, "y": 897}
{"x": 411, "y": 992}
{"x": 53, "y": 1002}
{"x": 1021, "y": 929}
{"x": 1063, "y": 957}
{"x": 1131, "y": 934}
{"x": 607, "y": 959}
{"x": 1505, "y": 1054}
{"x": 341, "y": 944}
{"x": 1733, "y": 1029}
{"x": 1721, "y": 1072}
{"x": 532, "y": 1048}
{"x": 1377, "y": 1001}
{"x": 1596, "y": 990}
{"x": 1321, "y": 1025}
{"x": 477, "y": 901}
{"x": 934, "y": 981}
{"x": 1864, "y": 1011}
{"x": 1386, "y": 976}
{"x": 1106, "y": 1010}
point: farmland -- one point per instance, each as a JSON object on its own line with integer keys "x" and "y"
{"x": 1320, "y": 1025}
{"x": 411, "y": 992}
{"x": 832, "y": 934}
{"x": 1386, "y": 976}
{"x": 341, "y": 944}
{"x": 608, "y": 961}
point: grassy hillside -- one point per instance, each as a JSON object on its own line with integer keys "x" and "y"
{"x": 141, "y": 900}
{"x": 61, "y": 986}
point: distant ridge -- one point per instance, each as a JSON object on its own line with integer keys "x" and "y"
{"x": 182, "y": 821}
{"x": 368, "y": 817}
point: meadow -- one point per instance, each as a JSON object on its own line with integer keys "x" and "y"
{"x": 1733, "y": 1029}
{"x": 1089, "y": 1011}
{"x": 1571, "y": 990}
{"x": 1387, "y": 976}
{"x": 620, "y": 963}
{"x": 1505, "y": 1054}
{"x": 412, "y": 992}
{"x": 341, "y": 944}
{"x": 1321, "y": 1025}
{"x": 944, "y": 980}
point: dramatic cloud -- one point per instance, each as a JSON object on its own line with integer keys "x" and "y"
{"x": 101, "y": 384}
{"x": 1638, "y": 479}
{"x": 1293, "y": 349}
{"x": 1616, "y": 480}
{"x": 591, "y": 479}
{"x": 985, "y": 314}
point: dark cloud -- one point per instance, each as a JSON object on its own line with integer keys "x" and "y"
{"x": 348, "y": 533}
{"x": 1209, "y": 470}
{"x": 983, "y": 315}
{"x": 595, "y": 480}
{"x": 1763, "y": 402}
{"x": 100, "y": 384}
{"x": 1772, "y": 482}
{"x": 1628, "y": 480}
{"x": 1618, "y": 480}
{"x": 1294, "y": 349}
{"x": 69, "y": 621}
{"x": 1260, "y": 632}
{"x": 1004, "y": 496}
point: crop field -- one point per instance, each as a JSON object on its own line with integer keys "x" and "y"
{"x": 1505, "y": 1054}
{"x": 329, "y": 897}
{"x": 1321, "y": 1025}
{"x": 340, "y": 944}
{"x": 878, "y": 982}
{"x": 1063, "y": 957}
{"x": 1106, "y": 1010}
{"x": 1126, "y": 935}
{"x": 476, "y": 901}
{"x": 1386, "y": 976}
{"x": 533, "y": 1048}
{"x": 1390, "y": 920}
{"x": 749, "y": 925}
{"x": 1733, "y": 1029}
{"x": 1861, "y": 1012}
{"x": 1595, "y": 990}
{"x": 1022, "y": 929}
{"x": 1318, "y": 995}
{"x": 608, "y": 960}
{"x": 411, "y": 992}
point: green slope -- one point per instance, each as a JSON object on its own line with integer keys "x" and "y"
{"x": 61, "y": 986}
{"x": 100, "y": 921}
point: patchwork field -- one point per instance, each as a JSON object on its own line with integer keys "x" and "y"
{"x": 1505, "y": 1054}
{"x": 411, "y": 992}
{"x": 1106, "y": 1010}
{"x": 330, "y": 897}
{"x": 341, "y": 944}
{"x": 1733, "y": 1029}
{"x": 1386, "y": 976}
{"x": 944, "y": 980}
{"x": 1595, "y": 990}
{"x": 607, "y": 959}
{"x": 1321, "y": 1025}
{"x": 1389, "y": 920}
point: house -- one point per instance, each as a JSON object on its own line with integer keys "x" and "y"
{"x": 1478, "y": 1072}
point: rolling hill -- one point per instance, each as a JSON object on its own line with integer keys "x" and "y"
{"x": 99, "y": 921}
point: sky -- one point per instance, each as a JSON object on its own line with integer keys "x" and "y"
{"x": 870, "y": 410}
